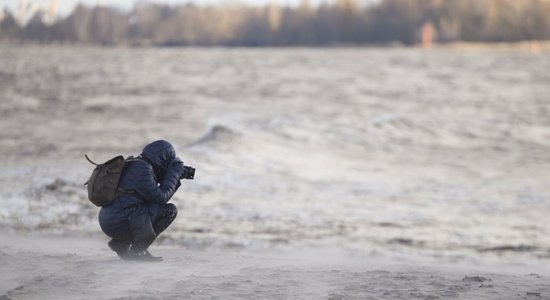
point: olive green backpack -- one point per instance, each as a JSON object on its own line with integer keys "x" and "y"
{"x": 103, "y": 183}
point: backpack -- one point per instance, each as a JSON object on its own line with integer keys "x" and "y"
{"x": 103, "y": 183}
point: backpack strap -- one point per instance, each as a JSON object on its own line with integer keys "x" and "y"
{"x": 132, "y": 159}
{"x": 93, "y": 163}
{"x": 121, "y": 191}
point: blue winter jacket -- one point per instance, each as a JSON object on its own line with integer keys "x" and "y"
{"x": 152, "y": 178}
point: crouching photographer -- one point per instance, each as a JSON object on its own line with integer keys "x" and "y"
{"x": 140, "y": 211}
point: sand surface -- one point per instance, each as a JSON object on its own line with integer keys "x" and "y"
{"x": 53, "y": 267}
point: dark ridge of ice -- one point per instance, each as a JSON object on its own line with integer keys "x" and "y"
{"x": 509, "y": 248}
{"x": 389, "y": 224}
{"x": 476, "y": 279}
{"x": 216, "y": 133}
{"x": 61, "y": 188}
{"x": 406, "y": 242}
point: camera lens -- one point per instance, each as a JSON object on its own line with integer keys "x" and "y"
{"x": 189, "y": 173}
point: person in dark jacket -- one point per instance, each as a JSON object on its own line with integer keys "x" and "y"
{"x": 141, "y": 211}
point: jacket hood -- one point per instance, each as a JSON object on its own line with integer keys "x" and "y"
{"x": 160, "y": 154}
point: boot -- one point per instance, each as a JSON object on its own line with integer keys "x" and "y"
{"x": 120, "y": 247}
{"x": 144, "y": 235}
{"x": 141, "y": 255}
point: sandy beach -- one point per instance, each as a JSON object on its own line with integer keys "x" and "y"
{"x": 53, "y": 267}
{"x": 321, "y": 173}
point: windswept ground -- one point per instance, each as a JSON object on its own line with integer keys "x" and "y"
{"x": 321, "y": 173}
{"x": 49, "y": 267}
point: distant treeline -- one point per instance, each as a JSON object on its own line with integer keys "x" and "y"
{"x": 341, "y": 23}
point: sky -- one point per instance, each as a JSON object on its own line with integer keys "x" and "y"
{"x": 66, "y": 6}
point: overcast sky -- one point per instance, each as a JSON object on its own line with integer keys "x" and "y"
{"x": 66, "y": 6}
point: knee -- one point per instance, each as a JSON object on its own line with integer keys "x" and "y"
{"x": 172, "y": 210}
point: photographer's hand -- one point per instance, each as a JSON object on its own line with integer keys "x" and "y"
{"x": 177, "y": 166}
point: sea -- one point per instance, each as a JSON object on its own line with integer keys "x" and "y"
{"x": 404, "y": 153}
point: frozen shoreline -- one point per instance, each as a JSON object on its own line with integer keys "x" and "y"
{"x": 67, "y": 267}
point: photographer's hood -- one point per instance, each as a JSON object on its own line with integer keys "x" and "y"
{"x": 160, "y": 154}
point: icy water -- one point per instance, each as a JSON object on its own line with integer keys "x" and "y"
{"x": 391, "y": 152}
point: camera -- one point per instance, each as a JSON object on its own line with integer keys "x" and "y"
{"x": 188, "y": 173}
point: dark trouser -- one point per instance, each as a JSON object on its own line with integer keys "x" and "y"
{"x": 143, "y": 226}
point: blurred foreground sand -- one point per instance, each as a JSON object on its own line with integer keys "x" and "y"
{"x": 50, "y": 267}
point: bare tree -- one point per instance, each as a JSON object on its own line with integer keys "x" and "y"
{"x": 342, "y": 22}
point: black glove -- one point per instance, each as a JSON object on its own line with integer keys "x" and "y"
{"x": 177, "y": 167}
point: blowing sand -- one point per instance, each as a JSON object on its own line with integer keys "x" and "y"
{"x": 52, "y": 267}
{"x": 321, "y": 173}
